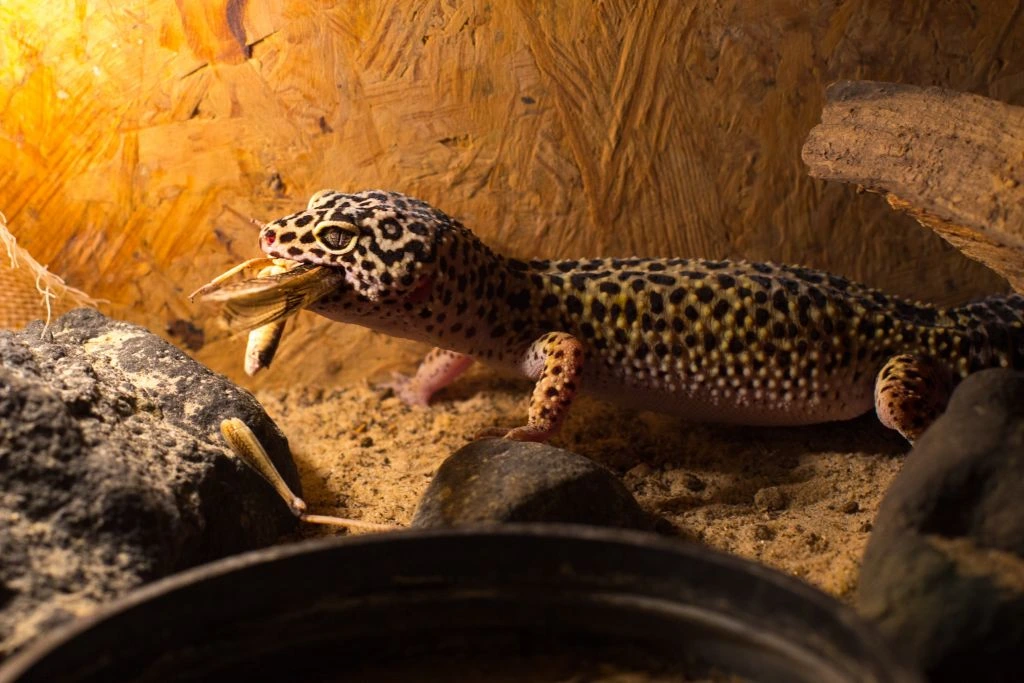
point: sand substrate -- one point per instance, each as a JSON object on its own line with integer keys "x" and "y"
{"x": 798, "y": 499}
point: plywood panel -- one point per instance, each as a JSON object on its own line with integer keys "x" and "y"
{"x": 135, "y": 137}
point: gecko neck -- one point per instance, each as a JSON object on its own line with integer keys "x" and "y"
{"x": 481, "y": 302}
{"x": 476, "y": 301}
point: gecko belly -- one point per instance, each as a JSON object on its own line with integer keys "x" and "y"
{"x": 701, "y": 400}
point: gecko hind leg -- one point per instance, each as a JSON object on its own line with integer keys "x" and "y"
{"x": 437, "y": 370}
{"x": 555, "y": 361}
{"x": 911, "y": 392}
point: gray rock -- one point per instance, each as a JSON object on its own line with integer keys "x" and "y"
{"x": 113, "y": 471}
{"x": 494, "y": 480}
{"x": 943, "y": 573}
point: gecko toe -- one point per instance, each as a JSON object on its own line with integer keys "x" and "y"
{"x": 491, "y": 433}
{"x": 402, "y": 387}
{"x": 524, "y": 433}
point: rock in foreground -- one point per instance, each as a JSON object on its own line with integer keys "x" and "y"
{"x": 494, "y": 480}
{"x": 113, "y": 471}
{"x": 943, "y": 572}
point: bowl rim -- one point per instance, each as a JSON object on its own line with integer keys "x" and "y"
{"x": 685, "y": 551}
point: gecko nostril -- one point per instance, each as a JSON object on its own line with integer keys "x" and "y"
{"x": 269, "y": 238}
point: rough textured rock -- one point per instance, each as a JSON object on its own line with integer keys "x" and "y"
{"x": 113, "y": 471}
{"x": 493, "y": 480}
{"x": 943, "y": 573}
{"x": 965, "y": 185}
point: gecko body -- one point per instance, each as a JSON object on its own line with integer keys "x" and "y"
{"x": 721, "y": 341}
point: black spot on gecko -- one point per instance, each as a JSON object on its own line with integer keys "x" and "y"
{"x": 665, "y": 280}
{"x": 720, "y": 309}
{"x": 780, "y": 301}
{"x": 656, "y": 302}
{"x": 791, "y": 286}
{"x": 519, "y": 300}
{"x": 838, "y": 282}
{"x": 630, "y": 311}
{"x": 578, "y": 281}
{"x": 806, "y": 274}
{"x": 817, "y": 297}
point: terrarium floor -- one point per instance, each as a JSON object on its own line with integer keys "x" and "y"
{"x": 801, "y": 500}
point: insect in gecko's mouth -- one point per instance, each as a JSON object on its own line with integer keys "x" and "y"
{"x": 272, "y": 289}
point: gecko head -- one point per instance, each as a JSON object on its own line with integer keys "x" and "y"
{"x": 385, "y": 242}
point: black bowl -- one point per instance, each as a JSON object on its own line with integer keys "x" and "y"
{"x": 513, "y": 602}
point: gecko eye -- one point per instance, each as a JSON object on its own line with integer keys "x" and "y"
{"x": 338, "y": 237}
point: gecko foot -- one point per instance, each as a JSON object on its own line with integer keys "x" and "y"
{"x": 524, "y": 433}
{"x": 438, "y": 370}
{"x": 408, "y": 391}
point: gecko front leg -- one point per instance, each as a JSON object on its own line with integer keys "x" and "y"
{"x": 555, "y": 361}
{"x": 437, "y": 370}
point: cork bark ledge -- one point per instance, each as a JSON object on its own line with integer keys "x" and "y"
{"x": 952, "y": 160}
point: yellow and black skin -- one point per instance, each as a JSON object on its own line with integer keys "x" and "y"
{"x": 723, "y": 341}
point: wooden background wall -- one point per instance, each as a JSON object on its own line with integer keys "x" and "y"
{"x": 133, "y": 135}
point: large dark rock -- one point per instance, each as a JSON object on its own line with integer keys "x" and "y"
{"x": 495, "y": 480}
{"x": 113, "y": 471}
{"x": 943, "y": 572}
